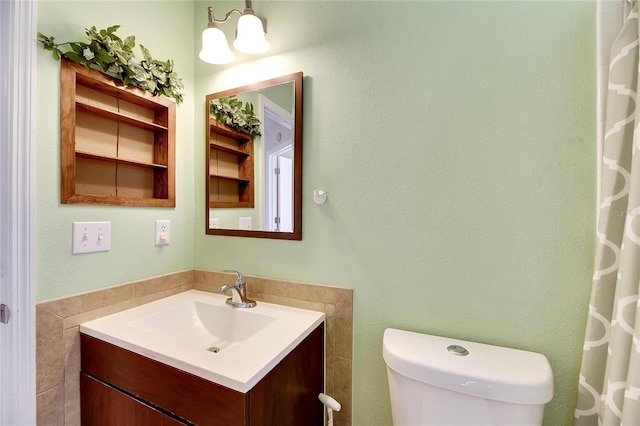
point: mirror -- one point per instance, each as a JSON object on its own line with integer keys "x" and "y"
{"x": 254, "y": 160}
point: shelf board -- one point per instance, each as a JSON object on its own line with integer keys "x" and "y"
{"x": 222, "y": 129}
{"x": 213, "y": 175}
{"x": 89, "y": 155}
{"x": 231, "y": 205}
{"x": 230, "y": 150}
{"x": 114, "y": 200}
{"x": 97, "y": 80}
{"x": 116, "y": 116}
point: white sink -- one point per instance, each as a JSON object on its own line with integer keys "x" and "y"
{"x": 197, "y": 332}
{"x": 204, "y": 325}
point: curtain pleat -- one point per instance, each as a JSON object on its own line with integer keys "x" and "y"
{"x": 609, "y": 381}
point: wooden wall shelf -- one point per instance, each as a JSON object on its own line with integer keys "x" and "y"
{"x": 117, "y": 143}
{"x": 230, "y": 165}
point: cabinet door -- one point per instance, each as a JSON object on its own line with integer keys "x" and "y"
{"x": 185, "y": 395}
{"x": 288, "y": 395}
{"x": 103, "y": 405}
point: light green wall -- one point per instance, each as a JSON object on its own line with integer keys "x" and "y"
{"x": 455, "y": 141}
{"x": 158, "y": 26}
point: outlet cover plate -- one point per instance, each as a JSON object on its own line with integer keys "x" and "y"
{"x": 163, "y": 232}
{"x": 245, "y": 223}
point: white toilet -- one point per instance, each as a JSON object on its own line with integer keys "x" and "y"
{"x": 442, "y": 381}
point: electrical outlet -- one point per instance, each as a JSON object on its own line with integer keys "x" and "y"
{"x": 214, "y": 223}
{"x": 245, "y": 223}
{"x": 163, "y": 232}
{"x": 88, "y": 237}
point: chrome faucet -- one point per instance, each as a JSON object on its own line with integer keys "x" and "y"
{"x": 238, "y": 289}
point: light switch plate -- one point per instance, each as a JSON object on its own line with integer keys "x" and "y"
{"x": 163, "y": 232}
{"x": 90, "y": 237}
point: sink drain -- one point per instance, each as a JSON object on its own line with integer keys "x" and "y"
{"x": 214, "y": 349}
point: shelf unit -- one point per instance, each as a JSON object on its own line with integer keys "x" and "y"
{"x": 230, "y": 165}
{"x": 117, "y": 143}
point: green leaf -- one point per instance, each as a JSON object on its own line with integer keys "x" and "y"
{"x": 77, "y": 47}
{"x": 130, "y": 42}
{"x": 104, "y": 57}
{"x": 147, "y": 54}
{"x": 151, "y": 84}
{"x": 56, "y": 54}
{"x": 74, "y": 57}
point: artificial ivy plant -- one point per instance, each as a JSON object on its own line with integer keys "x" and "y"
{"x": 110, "y": 54}
{"x": 236, "y": 114}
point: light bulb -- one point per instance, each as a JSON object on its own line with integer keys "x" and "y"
{"x": 250, "y": 36}
{"x": 215, "y": 49}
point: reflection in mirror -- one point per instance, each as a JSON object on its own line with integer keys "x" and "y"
{"x": 254, "y": 160}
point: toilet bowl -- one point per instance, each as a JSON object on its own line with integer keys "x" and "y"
{"x": 442, "y": 381}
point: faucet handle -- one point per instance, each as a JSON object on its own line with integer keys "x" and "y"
{"x": 239, "y": 276}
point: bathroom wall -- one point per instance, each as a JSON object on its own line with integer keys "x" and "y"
{"x": 456, "y": 143}
{"x": 159, "y": 27}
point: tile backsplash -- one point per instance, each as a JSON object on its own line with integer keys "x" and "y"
{"x": 58, "y": 341}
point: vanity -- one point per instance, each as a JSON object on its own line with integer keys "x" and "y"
{"x": 192, "y": 359}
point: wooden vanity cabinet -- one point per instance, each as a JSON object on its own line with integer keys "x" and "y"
{"x": 121, "y": 387}
{"x": 110, "y": 406}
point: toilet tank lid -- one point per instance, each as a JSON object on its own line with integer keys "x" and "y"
{"x": 487, "y": 371}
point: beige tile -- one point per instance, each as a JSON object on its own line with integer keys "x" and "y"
{"x": 299, "y": 290}
{"x": 85, "y": 302}
{"x": 185, "y": 277}
{"x": 62, "y": 307}
{"x": 106, "y": 297}
{"x": 49, "y": 351}
{"x": 329, "y": 355}
{"x": 199, "y": 276}
{"x": 344, "y": 328}
{"x": 150, "y": 297}
{"x": 162, "y": 283}
{"x": 330, "y": 309}
{"x": 105, "y": 310}
{"x": 287, "y": 301}
{"x": 72, "y": 376}
{"x": 342, "y": 392}
{"x": 211, "y": 278}
{"x": 205, "y": 287}
{"x": 330, "y": 322}
{"x": 50, "y": 407}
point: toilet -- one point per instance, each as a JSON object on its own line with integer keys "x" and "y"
{"x": 442, "y": 381}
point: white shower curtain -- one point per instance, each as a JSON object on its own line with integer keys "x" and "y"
{"x": 609, "y": 382}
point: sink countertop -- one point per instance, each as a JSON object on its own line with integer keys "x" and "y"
{"x": 238, "y": 365}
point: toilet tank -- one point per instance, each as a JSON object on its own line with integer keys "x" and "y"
{"x": 443, "y": 381}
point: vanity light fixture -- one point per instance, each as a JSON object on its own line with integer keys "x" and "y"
{"x": 250, "y": 36}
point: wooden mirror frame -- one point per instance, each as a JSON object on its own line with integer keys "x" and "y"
{"x": 296, "y": 235}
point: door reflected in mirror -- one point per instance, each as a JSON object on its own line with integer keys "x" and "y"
{"x": 254, "y": 160}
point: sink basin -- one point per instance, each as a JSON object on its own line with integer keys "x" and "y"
{"x": 197, "y": 332}
{"x": 204, "y": 325}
